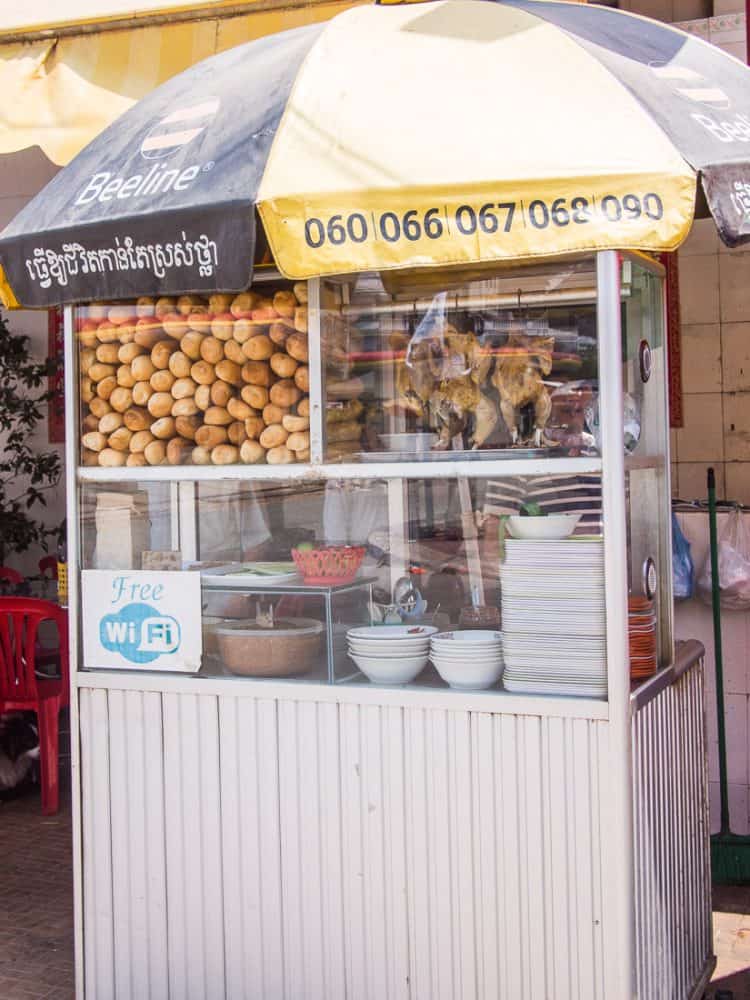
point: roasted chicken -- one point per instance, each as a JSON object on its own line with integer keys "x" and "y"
{"x": 519, "y": 378}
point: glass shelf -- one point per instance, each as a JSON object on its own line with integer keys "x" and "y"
{"x": 368, "y": 470}
{"x": 295, "y": 589}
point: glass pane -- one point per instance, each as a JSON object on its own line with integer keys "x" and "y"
{"x": 289, "y": 572}
{"x": 215, "y": 380}
{"x": 647, "y": 488}
{"x": 490, "y": 363}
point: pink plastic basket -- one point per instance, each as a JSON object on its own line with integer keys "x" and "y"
{"x": 330, "y": 565}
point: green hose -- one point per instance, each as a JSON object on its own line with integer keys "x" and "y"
{"x": 716, "y": 605}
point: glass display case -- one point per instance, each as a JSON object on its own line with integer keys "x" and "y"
{"x": 415, "y": 457}
{"x": 484, "y": 364}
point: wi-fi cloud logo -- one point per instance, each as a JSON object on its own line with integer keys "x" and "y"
{"x": 179, "y": 128}
{"x": 140, "y": 633}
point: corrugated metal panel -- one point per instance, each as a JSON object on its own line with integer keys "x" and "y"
{"x": 195, "y": 905}
{"x": 250, "y": 848}
{"x": 673, "y": 876}
{"x": 138, "y": 863}
{"x": 98, "y": 884}
{"x": 301, "y": 849}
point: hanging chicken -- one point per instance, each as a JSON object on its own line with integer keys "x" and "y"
{"x": 459, "y": 394}
{"x": 519, "y": 373}
{"x": 440, "y": 380}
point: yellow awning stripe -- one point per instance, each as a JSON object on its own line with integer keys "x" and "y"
{"x": 35, "y": 16}
{"x": 60, "y": 94}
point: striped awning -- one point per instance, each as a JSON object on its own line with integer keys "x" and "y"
{"x": 59, "y": 93}
{"x": 36, "y": 16}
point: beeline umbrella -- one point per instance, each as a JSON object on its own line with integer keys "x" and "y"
{"x": 396, "y": 136}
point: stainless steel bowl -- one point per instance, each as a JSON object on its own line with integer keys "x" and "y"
{"x": 409, "y": 444}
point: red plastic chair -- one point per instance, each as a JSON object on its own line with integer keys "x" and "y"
{"x": 48, "y": 563}
{"x": 22, "y": 689}
{"x": 11, "y": 575}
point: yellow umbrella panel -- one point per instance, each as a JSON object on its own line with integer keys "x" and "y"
{"x": 452, "y": 132}
{"x": 457, "y": 132}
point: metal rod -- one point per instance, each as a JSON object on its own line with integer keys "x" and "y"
{"x": 716, "y": 607}
{"x": 511, "y": 300}
{"x": 439, "y": 469}
{"x": 621, "y": 896}
{"x": 315, "y": 368}
{"x": 74, "y": 558}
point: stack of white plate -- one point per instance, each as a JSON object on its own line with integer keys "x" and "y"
{"x": 390, "y": 654}
{"x": 554, "y": 634}
{"x": 468, "y": 659}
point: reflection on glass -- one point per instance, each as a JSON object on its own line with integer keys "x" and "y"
{"x": 647, "y": 473}
{"x": 289, "y": 571}
{"x": 418, "y": 365}
{"x": 196, "y": 380}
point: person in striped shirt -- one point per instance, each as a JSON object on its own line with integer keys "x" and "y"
{"x": 580, "y": 494}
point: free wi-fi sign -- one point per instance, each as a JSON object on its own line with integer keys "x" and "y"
{"x": 141, "y": 619}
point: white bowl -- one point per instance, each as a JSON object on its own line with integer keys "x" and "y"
{"x": 471, "y": 636}
{"x": 390, "y": 670}
{"x": 551, "y": 526}
{"x": 387, "y": 633}
{"x": 488, "y": 657}
{"x": 372, "y": 650}
{"x": 469, "y": 675}
{"x": 412, "y": 444}
{"x": 405, "y": 654}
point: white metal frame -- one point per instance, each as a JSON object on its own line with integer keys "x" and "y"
{"x": 72, "y": 434}
{"x": 620, "y": 884}
{"x": 611, "y": 466}
{"x": 617, "y": 709}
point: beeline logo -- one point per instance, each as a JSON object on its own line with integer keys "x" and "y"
{"x": 692, "y": 86}
{"x": 178, "y": 128}
{"x": 735, "y": 129}
{"x": 170, "y": 134}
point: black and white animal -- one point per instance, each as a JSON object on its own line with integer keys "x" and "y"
{"x": 19, "y": 753}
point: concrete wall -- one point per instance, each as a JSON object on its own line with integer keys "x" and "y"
{"x": 22, "y": 175}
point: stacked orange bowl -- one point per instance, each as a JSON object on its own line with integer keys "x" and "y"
{"x": 642, "y": 637}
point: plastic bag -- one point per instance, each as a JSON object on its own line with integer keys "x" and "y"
{"x": 683, "y": 570}
{"x": 734, "y": 566}
{"x": 631, "y": 422}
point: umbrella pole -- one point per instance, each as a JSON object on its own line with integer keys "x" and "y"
{"x": 719, "y": 660}
{"x": 730, "y": 854}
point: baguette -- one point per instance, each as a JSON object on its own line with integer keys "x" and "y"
{"x": 299, "y": 441}
{"x": 280, "y": 456}
{"x": 251, "y": 453}
{"x": 294, "y": 424}
{"x": 111, "y": 459}
{"x": 221, "y": 393}
{"x": 225, "y": 454}
{"x": 348, "y": 431}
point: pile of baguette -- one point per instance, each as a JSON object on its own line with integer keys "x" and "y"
{"x": 196, "y": 381}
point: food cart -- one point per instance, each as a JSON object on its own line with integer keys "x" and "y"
{"x": 375, "y": 690}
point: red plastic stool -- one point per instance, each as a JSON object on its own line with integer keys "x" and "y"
{"x": 22, "y": 689}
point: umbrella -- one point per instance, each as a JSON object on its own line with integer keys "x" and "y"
{"x": 394, "y": 136}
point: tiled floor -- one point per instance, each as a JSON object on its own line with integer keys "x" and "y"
{"x": 732, "y": 940}
{"x": 36, "y": 911}
{"x": 36, "y": 902}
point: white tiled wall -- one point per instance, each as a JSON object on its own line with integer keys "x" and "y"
{"x": 715, "y": 328}
{"x": 694, "y": 620}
